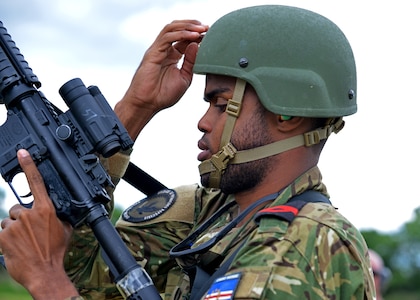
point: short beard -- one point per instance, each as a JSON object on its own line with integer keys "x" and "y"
{"x": 245, "y": 176}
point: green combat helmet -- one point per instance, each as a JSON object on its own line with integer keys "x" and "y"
{"x": 299, "y": 63}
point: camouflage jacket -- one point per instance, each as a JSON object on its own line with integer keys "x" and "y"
{"x": 320, "y": 255}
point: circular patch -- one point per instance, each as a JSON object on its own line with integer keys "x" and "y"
{"x": 151, "y": 207}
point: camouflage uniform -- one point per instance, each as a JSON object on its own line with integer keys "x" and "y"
{"x": 320, "y": 255}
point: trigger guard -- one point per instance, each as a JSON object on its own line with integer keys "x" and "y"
{"x": 26, "y": 205}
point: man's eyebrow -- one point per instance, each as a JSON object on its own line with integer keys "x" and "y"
{"x": 213, "y": 93}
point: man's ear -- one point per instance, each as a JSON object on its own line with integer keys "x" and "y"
{"x": 288, "y": 123}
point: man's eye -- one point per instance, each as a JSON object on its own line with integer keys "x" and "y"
{"x": 221, "y": 107}
{"x": 221, "y": 104}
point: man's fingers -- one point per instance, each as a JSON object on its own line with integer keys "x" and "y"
{"x": 178, "y": 31}
{"x": 35, "y": 181}
{"x": 5, "y": 222}
{"x": 15, "y": 210}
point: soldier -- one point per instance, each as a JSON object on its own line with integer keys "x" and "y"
{"x": 381, "y": 274}
{"x": 278, "y": 82}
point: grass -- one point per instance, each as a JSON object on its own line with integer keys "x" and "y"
{"x": 11, "y": 290}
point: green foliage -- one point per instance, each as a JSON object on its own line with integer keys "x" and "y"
{"x": 116, "y": 214}
{"x": 401, "y": 254}
{"x": 11, "y": 290}
{"x": 405, "y": 295}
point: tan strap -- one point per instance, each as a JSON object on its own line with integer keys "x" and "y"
{"x": 307, "y": 139}
{"x": 220, "y": 160}
{"x": 233, "y": 109}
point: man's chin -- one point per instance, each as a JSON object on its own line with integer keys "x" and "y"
{"x": 205, "y": 182}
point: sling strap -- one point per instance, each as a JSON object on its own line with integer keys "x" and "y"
{"x": 142, "y": 180}
{"x": 203, "y": 280}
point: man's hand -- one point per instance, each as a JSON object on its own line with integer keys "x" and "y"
{"x": 34, "y": 241}
{"x": 159, "y": 82}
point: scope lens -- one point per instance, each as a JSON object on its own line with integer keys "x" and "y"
{"x": 108, "y": 147}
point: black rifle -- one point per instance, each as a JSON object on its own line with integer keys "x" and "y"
{"x": 64, "y": 145}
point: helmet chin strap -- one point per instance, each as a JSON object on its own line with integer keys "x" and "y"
{"x": 228, "y": 154}
{"x": 219, "y": 161}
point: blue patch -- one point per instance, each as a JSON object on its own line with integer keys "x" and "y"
{"x": 224, "y": 287}
{"x": 150, "y": 207}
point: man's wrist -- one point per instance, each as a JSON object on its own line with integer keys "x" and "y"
{"x": 55, "y": 288}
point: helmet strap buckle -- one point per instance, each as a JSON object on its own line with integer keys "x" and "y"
{"x": 221, "y": 159}
{"x": 233, "y": 107}
{"x": 311, "y": 138}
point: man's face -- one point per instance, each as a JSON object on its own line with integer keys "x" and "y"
{"x": 250, "y": 131}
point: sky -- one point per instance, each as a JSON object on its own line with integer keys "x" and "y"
{"x": 370, "y": 168}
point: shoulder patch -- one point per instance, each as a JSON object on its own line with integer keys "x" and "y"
{"x": 151, "y": 207}
{"x": 286, "y": 212}
{"x": 224, "y": 287}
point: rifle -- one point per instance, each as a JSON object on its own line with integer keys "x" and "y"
{"x": 64, "y": 145}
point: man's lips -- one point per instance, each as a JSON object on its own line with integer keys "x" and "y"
{"x": 206, "y": 153}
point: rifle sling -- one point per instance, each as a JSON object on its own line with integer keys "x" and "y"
{"x": 142, "y": 180}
